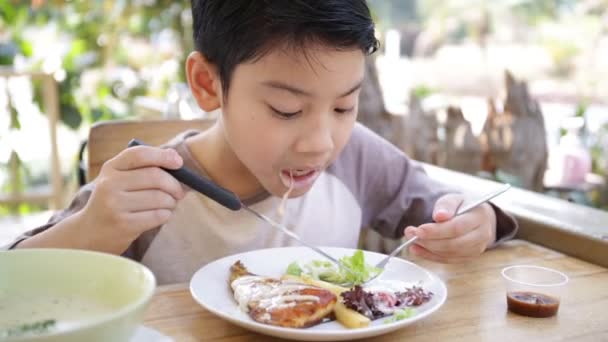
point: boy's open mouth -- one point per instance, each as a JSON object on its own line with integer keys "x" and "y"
{"x": 301, "y": 177}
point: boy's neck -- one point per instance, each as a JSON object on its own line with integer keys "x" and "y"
{"x": 221, "y": 164}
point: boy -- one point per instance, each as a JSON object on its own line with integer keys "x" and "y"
{"x": 286, "y": 75}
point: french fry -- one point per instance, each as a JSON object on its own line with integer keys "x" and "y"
{"x": 335, "y": 289}
{"x": 348, "y": 317}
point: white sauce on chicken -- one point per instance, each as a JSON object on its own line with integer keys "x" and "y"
{"x": 269, "y": 293}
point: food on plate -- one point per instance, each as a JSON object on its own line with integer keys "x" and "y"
{"x": 347, "y": 317}
{"x": 284, "y": 303}
{"x": 386, "y": 299}
{"x": 357, "y": 273}
{"x": 401, "y": 314}
{"x": 302, "y": 298}
{"x": 281, "y": 209}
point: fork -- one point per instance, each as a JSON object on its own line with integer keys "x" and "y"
{"x": 461, "y": 210}
{"x": 294, "y": 236}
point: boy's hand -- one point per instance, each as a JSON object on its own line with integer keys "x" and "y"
{"x": 132, "y": 194}
{"x": 454, "y": 239}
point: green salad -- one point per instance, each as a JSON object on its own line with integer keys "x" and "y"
{"x": 357, "y": 273}
{"x": 400, "y": 315}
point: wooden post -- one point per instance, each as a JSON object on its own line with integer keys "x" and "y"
{"x": 51, "y": 107}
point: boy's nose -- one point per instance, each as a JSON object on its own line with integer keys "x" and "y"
{"x": 316, "y": 137}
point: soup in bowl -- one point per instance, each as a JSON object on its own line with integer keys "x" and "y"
{"x": 54, "y": 295}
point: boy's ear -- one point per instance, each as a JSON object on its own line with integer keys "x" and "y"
{"x": 204, "y": 81}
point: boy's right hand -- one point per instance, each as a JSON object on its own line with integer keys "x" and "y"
{"x": 132, "y": 194}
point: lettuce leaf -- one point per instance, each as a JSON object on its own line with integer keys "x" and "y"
{"x": 330, "y": 272}
{"x": 401, "y": 315}
{"x": 294, "y": 269}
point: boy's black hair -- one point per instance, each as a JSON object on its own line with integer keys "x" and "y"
{"x": 230, "y": 32}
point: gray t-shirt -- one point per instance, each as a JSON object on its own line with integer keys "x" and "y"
{"x": 371, "y": 184}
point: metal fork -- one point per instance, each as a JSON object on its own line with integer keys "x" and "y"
{"x": 294, "y": 236}
{"x": 461, "y": 210}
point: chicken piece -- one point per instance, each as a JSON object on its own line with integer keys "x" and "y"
{"x": 278, "y": 302}
{"x": 238, "y": 270}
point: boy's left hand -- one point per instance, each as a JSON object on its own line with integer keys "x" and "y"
{"x": 454, "y": 239}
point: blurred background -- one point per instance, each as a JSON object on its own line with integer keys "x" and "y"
{"x": 510, "y": 90}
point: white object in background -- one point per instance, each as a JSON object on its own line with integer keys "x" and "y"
{"x": 182, "y": 105}
{"x": 574, "y": 159}
{"x": 393, "y": 44}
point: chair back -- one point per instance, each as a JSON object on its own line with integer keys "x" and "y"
{"x": 108, "y": 138}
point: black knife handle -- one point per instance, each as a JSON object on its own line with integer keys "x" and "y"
{"x": 203, "y": 185}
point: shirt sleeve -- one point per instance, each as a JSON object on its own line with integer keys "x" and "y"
{"x": 393, "y": 190}
{"x": 135, "y": 251}
{"x": 139, "y": 246}
{"x": 79, "y": 201}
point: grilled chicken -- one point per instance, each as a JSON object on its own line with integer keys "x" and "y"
{"x": 279, "y": 302}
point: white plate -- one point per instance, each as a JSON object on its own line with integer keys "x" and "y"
{"x": 209, "y": 287}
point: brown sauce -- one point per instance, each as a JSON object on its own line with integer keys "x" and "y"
{"x": 532, "y": 304}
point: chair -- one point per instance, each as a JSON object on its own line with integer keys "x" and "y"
{"x": 108, "y": 138}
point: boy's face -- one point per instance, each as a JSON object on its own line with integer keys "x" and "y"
{"x": 287, "y": 113}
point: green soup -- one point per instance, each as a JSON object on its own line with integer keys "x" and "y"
{"x": 35, "y": 315}
{"x": 54, "y": 295}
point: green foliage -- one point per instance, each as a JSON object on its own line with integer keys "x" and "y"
{"x": 102, "y": 53}
{"x": 390, "y": 13}
{"x": 581, "y": 108}
{"x": 422, "y": 91}
{"x": 599, "y": 152}
{"x": 98, "y": 36}
{"x": 536, "y": 11}
{"x": 502, "y": 177}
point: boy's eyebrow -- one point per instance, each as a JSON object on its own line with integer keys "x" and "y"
{"x": 353, "y": 89}
{"x": 301, "y": 92}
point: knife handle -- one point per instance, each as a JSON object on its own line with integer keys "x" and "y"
{"x": 203, "y": 185}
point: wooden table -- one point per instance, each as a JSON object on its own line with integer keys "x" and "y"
{"x": 474, "y": 311}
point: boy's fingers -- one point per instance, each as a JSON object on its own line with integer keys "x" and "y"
{"x": 409, "y": 232}
{"x": 141, "y": 221}
{"x": 146, "y": 156}
{"x": 148, "y": 200}
{"x": 451, "y": 229}
{"x": 462, "y": 246}
{"x": 152, "y": 178}
{"x": 426, "y": 254}
{"x": 446, "y": 207}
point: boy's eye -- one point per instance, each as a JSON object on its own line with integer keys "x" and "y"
{"x": 344, "y": 110}
{"x": 285, "y": 115}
